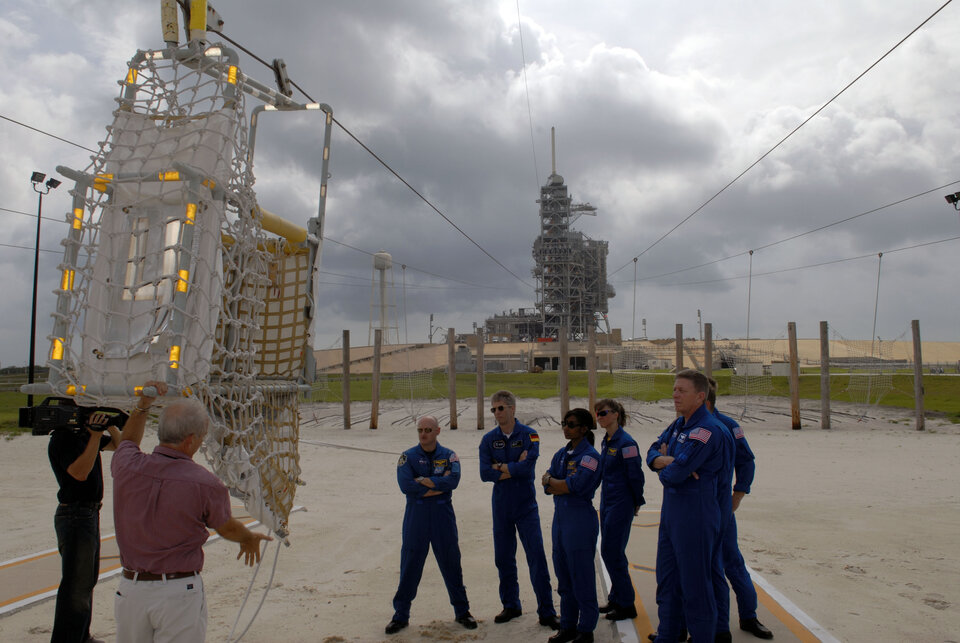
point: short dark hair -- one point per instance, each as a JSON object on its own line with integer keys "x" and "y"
{"x": 585, "y": 418}
{"x": 712, "y": 393}
{"x": 700, "y": 383}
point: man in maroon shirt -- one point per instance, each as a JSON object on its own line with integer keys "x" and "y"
{"x": 163, "y": 503}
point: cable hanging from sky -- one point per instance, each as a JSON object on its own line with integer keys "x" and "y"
{"x": 799, "y": 234}
{"x": 814, "y": 265}
{"x": 60, "y": 220}
{"x": 782, "y": 140}
{"x": 348, "y": 133}
{"x": 661, "y": 238}
{"x": 526, "y": 90}
{"x": 385, "y": 165}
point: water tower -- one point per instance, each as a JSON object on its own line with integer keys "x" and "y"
{"x": 381, "y": 293}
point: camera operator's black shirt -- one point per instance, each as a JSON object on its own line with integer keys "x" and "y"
{"x": 66, "y": 445}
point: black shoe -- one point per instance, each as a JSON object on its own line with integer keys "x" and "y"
{"x": 508, "y": 614}
{"x": 467, "y": 621}
{"x": 550, "y": 621}
{"x": 756, "y": 628}
{"x": 609, "y": 607}
{"x": 619, "y": 613}
{"x": 723, "y": 637}
{"x": 563, "y": 636}
{"x": 583, "y": 637}
{"x": 394, "y": 626}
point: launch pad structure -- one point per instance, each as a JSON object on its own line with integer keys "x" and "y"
{"x": 570, "y": 271}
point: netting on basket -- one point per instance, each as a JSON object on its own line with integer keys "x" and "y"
{"x": 870, "y": 365}
{"x": 632, "y": 378}
{"x": 750, "y": 361}
{"x": 414, "y": 389}
{"x": 169, "y": 275}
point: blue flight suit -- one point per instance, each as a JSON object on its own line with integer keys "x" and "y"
{"x": 575, "y": 529}
{"x": 721, "y": 591}
{"x": 514, "y": 503}
{"x": 733, "y": 566}
{"x": 689, "y": 526}
{"x": 429, "y": 522}
{"x": 620, "y": 495}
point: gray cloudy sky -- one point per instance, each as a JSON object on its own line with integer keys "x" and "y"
{"x": 657, "y": 106}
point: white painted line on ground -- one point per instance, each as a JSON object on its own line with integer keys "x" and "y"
{"x": 625, "y": 629}
{"x": 26, "y": 602}
{"x": 792, "y": 609}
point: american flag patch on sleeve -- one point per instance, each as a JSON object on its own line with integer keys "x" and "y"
{"x": 630, "y": 451}
{"x": 737, "y": 433}
{"x": 701, "y": 435}
{"x": 588, "y": 463}
{"x": 454, "y": 457}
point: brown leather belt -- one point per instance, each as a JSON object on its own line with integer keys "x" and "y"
{"x": 137, "y": 576}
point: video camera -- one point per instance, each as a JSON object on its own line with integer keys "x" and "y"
{"x": 56, "y": 412}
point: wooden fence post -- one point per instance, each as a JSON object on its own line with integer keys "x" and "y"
{"x": 452, "y": 376}
{"x": 824, "y": 375}
{"x": 592, "y": 366}
{"x": 708, "y": 349}
{"x": 480, "y": 370}
{"x": 375, "y": 384}
{"x": 346, "y": 379}
{"x": 794, "y": 377}
{"x": 564, "y": 380}
{"x": 679, "y": 355}
{"x": 917, "y": 374}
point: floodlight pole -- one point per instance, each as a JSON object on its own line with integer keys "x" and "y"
{"x": 38, "y": 187}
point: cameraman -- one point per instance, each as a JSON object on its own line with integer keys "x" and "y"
{"x": 75, "y": 457}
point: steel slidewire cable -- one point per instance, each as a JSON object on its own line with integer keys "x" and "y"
{"x": 11, "y": 245}
{"x": 387, "y": 167}
{"x": 784, "y": 139}
{"x": 346, "y": 131}
{"x": 817, "y": 265}
{"x": 800, "y": 234}
{"x": 426, "y": 272}
{"x": 526, "y": 90}
{"x": 425, "y": 199}
{"x": 36, "y": 129}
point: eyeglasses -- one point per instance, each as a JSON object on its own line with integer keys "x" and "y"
{"x": 603, "y": 413}
{"x": 572, "y": 425}
{"x": 494, "y": 409}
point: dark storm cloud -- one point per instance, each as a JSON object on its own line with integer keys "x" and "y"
{"x": 656, "y": 108}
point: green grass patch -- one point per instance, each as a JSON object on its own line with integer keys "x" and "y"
{"x": 941, "y": 393}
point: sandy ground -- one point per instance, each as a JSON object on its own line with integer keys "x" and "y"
{"x": 858, "y": 526}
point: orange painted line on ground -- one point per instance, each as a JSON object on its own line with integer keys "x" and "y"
{"x": 52, "y": 552}
{"x": 785, "y": 617}
{"x": 642, "y": 622}
{"x": 30, "y": 559}
{"x": 25, "y": 596}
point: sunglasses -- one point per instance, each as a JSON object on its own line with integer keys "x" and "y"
{"x": 494, "y": 409}
{"x": 603, "y": 413}
{"x": 425, "y": 430}
{"x": 572, "y": 425}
